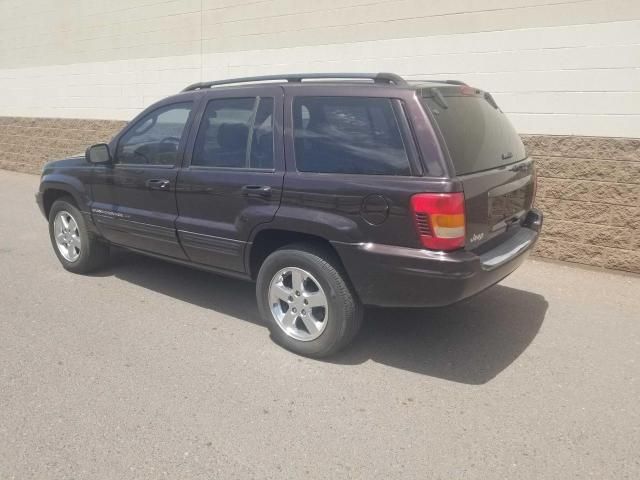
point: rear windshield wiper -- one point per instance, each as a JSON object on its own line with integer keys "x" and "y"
{"x": 439, "y": 98}
{"x": 489, "y": 98}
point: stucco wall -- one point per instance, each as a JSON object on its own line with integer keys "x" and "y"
{"x": 556, "y": 67}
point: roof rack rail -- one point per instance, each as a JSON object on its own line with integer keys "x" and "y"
{"x": 432, "y": 80}
{"x": 456, "y": 82}
{"x": 387, "y": 78}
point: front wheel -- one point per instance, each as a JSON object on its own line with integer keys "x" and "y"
{"x": 76, "y": 248}
{"x": 307, "y": 301}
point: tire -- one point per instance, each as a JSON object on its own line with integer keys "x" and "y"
{"x": 90, "y": 254}
{"x": 337, "y": 323}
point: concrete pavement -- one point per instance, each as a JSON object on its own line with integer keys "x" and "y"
{"x": 151, "y": 370}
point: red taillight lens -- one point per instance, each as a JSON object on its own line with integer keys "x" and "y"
{"x": 467, "y": 90}
{"x": 440, "y": 219}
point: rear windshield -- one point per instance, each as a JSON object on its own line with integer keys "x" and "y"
{"x": 478, "y": 135}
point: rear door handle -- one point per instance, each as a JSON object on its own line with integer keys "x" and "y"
{"x": 158, "y": 184}
{"x": 262, "y": 191}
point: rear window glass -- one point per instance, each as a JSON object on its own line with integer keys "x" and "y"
{"x": 478, "y": 135}
{"x": 351, "y": 135}
{"x": 236, "y": 133}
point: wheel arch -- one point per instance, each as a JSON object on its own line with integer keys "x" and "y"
{"x": 52, "y": 194}
{"x": 54, "y": 186}
{"x": 268, "y": 240}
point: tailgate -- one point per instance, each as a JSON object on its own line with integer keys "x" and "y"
{"x": 488, "y": 157}
{"x": 497, "y": 200}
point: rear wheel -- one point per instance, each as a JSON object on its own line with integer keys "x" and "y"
{"x": 306, "y": 300}
{"x": 76, "y": 248}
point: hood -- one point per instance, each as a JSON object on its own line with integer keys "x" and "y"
{"x": 77, "y": 160}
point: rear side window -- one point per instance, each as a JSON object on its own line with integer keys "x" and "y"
{"x": 236, "y": 133}
{"x": 351, "y": 135}
{"x": 478, "y": 135}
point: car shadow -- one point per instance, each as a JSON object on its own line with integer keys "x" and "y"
{"x": 470, "y": 342}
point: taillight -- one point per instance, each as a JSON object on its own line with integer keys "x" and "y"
{"x": 439, "y": 219}
{"x": 535, "y": 185}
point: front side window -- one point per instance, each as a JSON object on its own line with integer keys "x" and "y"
{"x": 154, "y": 139}
{"x": 236, "y": 133}
{"x": 350, "y": 135}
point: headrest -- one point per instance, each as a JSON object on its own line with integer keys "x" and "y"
{"x": 233, "y": 136}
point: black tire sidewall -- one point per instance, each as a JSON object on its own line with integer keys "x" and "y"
{"x": 335, "y": 289}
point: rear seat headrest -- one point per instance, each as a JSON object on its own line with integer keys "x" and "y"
{"x": 233, "y": 135}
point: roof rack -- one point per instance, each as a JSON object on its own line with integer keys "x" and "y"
{"x": 450, "y": 82}
{"x": 387, "y": 78}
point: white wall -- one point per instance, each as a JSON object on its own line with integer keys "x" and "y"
{"x": 556, "y": 67}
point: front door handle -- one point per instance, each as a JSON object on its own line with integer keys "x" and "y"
{"x": 158, "y": 184}
{"x": 262, "y": 191}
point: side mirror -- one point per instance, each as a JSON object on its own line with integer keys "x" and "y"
{"x": 98, "y": 153}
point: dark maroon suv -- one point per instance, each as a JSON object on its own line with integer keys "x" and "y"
{"x": 331, "y": 191}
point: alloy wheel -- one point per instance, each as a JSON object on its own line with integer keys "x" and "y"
{"x": 298, "y": 303}
{"x": 67, "y": 236}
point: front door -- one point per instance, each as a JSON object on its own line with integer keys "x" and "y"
{"x": 134, "y": 202}
{"x": 233, "y": 174}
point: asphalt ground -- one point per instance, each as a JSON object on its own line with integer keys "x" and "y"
{"x": 152, "y": 370}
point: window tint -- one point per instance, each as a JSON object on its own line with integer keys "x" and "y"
{"x": 236, "y": 133}
{"x": 478, "y": 135}
{"x": 356, "y": 135}
{"x": 154, "y": 139}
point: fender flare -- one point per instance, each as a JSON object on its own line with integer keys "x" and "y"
{"x": 66, "y": 183}
{"x": 325, "y": 225}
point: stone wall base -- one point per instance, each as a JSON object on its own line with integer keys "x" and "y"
{"x": 589, "y": 191}
{"x": 588, "y": 187}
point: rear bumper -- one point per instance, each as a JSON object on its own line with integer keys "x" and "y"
{"x": 391, "y": 276}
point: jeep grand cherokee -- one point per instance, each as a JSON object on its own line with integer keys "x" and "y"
{"x": 330, "y": 191}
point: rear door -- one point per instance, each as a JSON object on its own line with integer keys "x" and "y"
{"x": 488, "y": 158}
{"x": 233, "y": 174}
